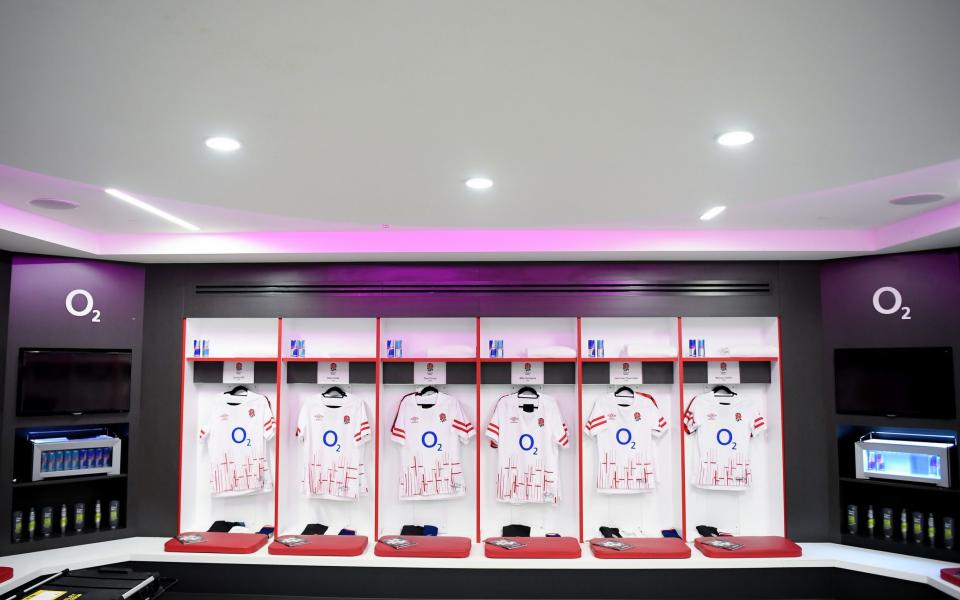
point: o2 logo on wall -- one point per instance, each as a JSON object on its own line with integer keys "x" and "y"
{"x": 887, "y": 301}
{"x": 86, "y": 306}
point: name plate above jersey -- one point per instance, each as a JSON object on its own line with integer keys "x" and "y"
{"x": 526, "y": 373}
{"x": 333, "y": 372}
{"x": 430, "y": 372}
{"x": 626, "y": 372}
{"x": 723, "y": 372}
{"x": 237, "y": 371}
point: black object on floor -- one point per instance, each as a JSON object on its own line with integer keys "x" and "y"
{"x": 707, "y": 531}
{"x": 104, "y": 583}
{"x": 411, "y": 530}
{"x": 516, "y": 531}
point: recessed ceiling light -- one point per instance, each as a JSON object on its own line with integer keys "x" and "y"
{"x": 716, "y": 210}
{"x": 735, "y": 138}
{"x": 914, "y": 199}
{"x": 120, "y": 195}
{"x": 223, "y": 144}
{"x": 53, "y": 203}
{"x": 479, "y": 183}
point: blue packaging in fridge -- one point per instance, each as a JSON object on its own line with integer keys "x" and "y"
{"x": 693, "y": 348}
{"x": 44, "y": 456}
{"x": 58, "y": 460}
{"x": 399, "y": 347}
{"x": 391, "y": 350}
{"x": 499, "y": 348}
{"x": 84, "y": 458}
{"x": 701, "y": 347}
{"x": 592, "y": 348}
{"x": 75, "y": 459}
{"x": 205, "y": 348}
{"x": 301, "y": 348}
{"x": 108, "y": 457}
{"x": 97, "y": 458}
{"x": 601, "y": 352}
{"x": 196, "y": 347}
{"x": 293, "y": 347}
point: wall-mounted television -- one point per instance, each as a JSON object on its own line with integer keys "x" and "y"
{"x": 53, "y": 381}
{"x": 895, "y": 382}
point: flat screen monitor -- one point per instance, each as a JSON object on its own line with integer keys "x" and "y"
{"x": 896, "y": 382}
{"x": 73, "y": 381}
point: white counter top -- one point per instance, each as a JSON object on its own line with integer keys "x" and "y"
{"x": 149, "y": 549}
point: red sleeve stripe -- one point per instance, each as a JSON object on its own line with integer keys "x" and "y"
{"x": 493, "y": 428}
{"x": 662, "y": 421}
{"x": 399, "y": 433}
{"x": 595, "y": 423}
{"x": 462, "y": 423}
{"x": 493, "y": 431}
{"x": 564, "y": 441}
{"x": 463, "y": 429}
{"x": 601, "y": 417}
{"x": 395, "y": 428}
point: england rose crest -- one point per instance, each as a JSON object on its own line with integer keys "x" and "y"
{"x": 346, "y": 419}
{"x": 637, "y": 416}
{"x": 252, "y": 413}
{"x": 540, "y": 421}
{"x": 443, "y": 417}
{"x": 738, "y": 417}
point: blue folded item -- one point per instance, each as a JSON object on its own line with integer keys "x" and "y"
{"x": 668, "y": 533}
{"x": 347, "y": 532}
{"x": 430, "y": 530}
{"x": 266, "y": 530}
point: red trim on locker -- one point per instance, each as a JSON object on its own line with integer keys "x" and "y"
{"x": 277, "y": 431}
{"x": 376, "y": 439}
{"x": 783, "y": 455}
{"x": 231, "y": 358}
{"x": 730, "y": 359}
{"x": 458, "y": 359}
{"x": 588, "y": 359}
{"x": 580, "y": 426}
{"x": 479, "y": 429}
{"x": 183, "y": 370}
{"x": 683, "y": 450}
{"x": 330, "y": 359}
{"x": 529, "y": 359}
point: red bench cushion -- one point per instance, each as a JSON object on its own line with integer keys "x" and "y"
{"x": 427, "y": 546}
{"x": 761, "y": 546}
{"x": 5, "y": 573}
{"x": 537, "y": 547}
{"x": 643, "y": 548}
{"x": 223, "y": 543}
{"x": 951, "y": 575}
{"x": 323, "y": 545}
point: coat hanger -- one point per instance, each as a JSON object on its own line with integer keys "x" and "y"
{"x": 236, "y": 389}
{"x": 723, "y": 388}
{"x": 334, "y": 391}
{"x": 428, "y": 390}
{"x": 528, "y": 392}
{"x": 624, "y": 388}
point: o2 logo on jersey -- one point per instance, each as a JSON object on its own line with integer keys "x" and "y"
{"x": 239, "y": 436}
{"x": 725, "y": 438}
{"x": 429, "y": 441}
{"x": 527, "y": 444}
{"x": 87, "y": 305}
{"x": 331, "y": 439}
{"x": 895, "y": 306}
{"x": 624, "y": 437}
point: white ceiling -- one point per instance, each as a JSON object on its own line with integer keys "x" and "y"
{"x": 588, "y": 115}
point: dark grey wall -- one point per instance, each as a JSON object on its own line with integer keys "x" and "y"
{"x": 177, "y": 291}
{"x": 38, "y": 319}
{"x": 4, "y": 315}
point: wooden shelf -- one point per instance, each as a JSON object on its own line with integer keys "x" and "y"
{"x": 630, "y": 359}
{"x": 231, "y": 359}
{"x": 66, "y": 480}
{"x": 730, "y": 358}
{"x": 903, "y": 485}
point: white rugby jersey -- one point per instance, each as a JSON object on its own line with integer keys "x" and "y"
{"x": 332, "y": 433}
{"x": 528, "y": 445}
{"x": 236, "y": 429}
{"x": 724, "y": 426}
{"x": 430, "y": 467}
{"x": 625, "y": 449}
